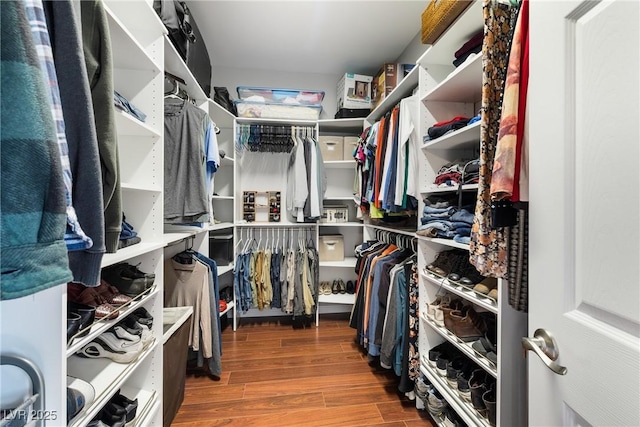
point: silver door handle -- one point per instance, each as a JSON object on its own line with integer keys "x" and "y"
{"x": 544, "y": 345}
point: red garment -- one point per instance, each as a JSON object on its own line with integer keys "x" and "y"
{"x": 524, "y": 85}
{"x": 455, "y": 119}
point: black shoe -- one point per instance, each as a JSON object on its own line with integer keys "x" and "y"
{"x": 87, "y": 315}
{"x": 143, "y": 317}
{"x": 73, "y": 325}
{"x": 351, "y": 287}
{"x": 130, "y": 406}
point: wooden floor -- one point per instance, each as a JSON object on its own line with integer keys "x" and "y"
{"x": 275, "y": 375}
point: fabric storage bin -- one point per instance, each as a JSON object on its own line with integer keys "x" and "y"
{"x": 282, "y": 96}
{"x": 221, "y": 248}
{"x": 176, "y": 322}
{"x": 437, "y": 17}
{"x": 267, "y": 110}
{"x": 331, "y": 247}
{"x": 348, "y": 146}
{"x": 331, "y": 147}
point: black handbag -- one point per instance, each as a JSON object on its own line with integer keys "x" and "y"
{"x": 174, "y": 15}
{"x": 221, "y": 97}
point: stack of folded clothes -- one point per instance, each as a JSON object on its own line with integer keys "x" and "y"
{"x": 444, "y": 219}
{"x": 123, "y": 104}
{"x": 128, "y": 236}
{"x": 456, "y": 173}
{"x": 442, "y": 128}
{"x": 470, "y": 47}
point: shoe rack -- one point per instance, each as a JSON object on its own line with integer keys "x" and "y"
{"x": 446, "y": 92}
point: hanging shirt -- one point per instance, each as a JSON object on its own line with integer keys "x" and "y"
{"x": 409, "y": 143}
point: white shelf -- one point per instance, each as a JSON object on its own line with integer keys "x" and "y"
{"x": 311, "y": 123}
{"x": 348, "y": 299}
{"x": 469, "y": 295}
{"x": 341, "y": 224}
{"x": 341, "y": 125}
{"x": 467, "y": 137}
{"x": 459, "y": 32}
{"x": 230, "y": 306}
{"x": 340, "y": 164}
{"x": 140, "y": 187}
{"x": 128, "y": 54}
{"x": 100, "y": 326}
{"x": 275, "y": 224}
{"x": 105, "y": 376}
{"x": 348, "y": 262}
{"x": 222, "y": 269}
{"x": 174, "y": 316}
{"x": 147, "y": 401}
{"x": 463, "y": 408}
{"x": 221, "y": 226}
{"x": 405, "y": 232}
{"x": 130, "y": 252}
{"x": 404, "y": 89}
{"x": 466, "y": 348}
{"x": 222, "y": 118}
{"x": 464, "y": 84}
{"x": 332, "y": 197}
{"x": 445, "y": 242}
{"x": 126, "y": 124}
{"x": 174, "y": 64}
{"x": 450, "y": 189}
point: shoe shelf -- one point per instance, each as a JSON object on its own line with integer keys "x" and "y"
{"x": 146, "y": 401}
{"x": 340, "y": 164}
{"x": 464, "y": 84}
{"x": 105, "y": 376}
{"x": 466, "y": 138}
{"x": 445, "y": 242}
{"x": 465, "y": 293}
{"x": 464, "y": 347}
{"x": 348, "y": 299}
{"x": 129, "y": 125}
{"x": 451, "y": 189}
{"x": 101, "y": 325}
{"x": 130, "y": 252}
{"x": 222, "y": 269}
{"x": 463, "y": 407}
{"x": 348, "y": 262}
{"x": 230, "y": 306}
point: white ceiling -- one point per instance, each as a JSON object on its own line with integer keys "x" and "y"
{"x": 326, "y": 37}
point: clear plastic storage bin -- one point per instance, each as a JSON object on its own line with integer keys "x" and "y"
{"x": 277, "y": 111}
{"x": 281, "y": 96}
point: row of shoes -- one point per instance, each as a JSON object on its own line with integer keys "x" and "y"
{"x": 463, "y": 321}
{"x": 118, "y": 412}
{"x": 466, "y": 378}
{"x": 123, "y": 342}
{"x": 338, "y": 286}
{"x": 454, "y": 265}
{"x": 119, "y": 285}
{"x": 436, "y": 404}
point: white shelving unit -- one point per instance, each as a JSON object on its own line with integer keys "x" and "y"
{"x": 138, "y": 56}
{"x": 447, "y": 92}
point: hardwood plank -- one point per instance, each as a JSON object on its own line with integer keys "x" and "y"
{"x": 262, "y": 351}
{"x": 371, "y": 393}
{"x": 289, "y": 361}
{"x": 424, "y": 421}
{"x": 295, "y": 342}
{"x": 197, "y": 395}
{"x": 249, "y": 407}
{"x": 398, "y": 410}
{"x": 194, "y": 381}
{"x": 301, "y": 335}
{"x": 335, "y": 383}
{"x": 350, "y": 416}
{"x": 296, "y": 372}
{"x": 393, "y": 424}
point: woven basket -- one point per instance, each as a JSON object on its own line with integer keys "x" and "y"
{"x": 438, "y": 15}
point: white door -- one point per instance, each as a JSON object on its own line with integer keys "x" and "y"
{"x": 584, "y": 251}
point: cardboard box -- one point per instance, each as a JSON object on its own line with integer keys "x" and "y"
{"x": 386, "y": 80}
{"x": 354, "y": 91}
{"x": 331, "y": 247}
{"x": 331, "y": 147}
{"x": 349, "y": 145}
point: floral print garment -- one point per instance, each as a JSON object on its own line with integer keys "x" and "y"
{"x": 488, "y": 248}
